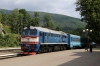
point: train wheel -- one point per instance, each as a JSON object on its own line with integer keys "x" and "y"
{"x": 53, "y": 49}
{"x": 45, "y": 50}
{"x": 61, "y": 48}
{"x": 39, "y": 51}
{"x": 64, "y": 48}
{"x": 50, "y": 50}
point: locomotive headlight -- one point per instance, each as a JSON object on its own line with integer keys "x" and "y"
{"x": 29, "y": 39}
{"x": 25, "y": 39}
{"x": 33, "y": 38}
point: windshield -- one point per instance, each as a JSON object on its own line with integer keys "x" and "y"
{"x": 24, "y": 32}
{"x": 29, "y": 32}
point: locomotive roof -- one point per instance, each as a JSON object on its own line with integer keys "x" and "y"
{"x": 47, "y": 30}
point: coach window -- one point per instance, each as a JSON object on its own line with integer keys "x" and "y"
{"x": 54, "y": 35}
{"x": 65, "y": 36}
{"x": 59, "y": 35}
{"x": 48, "y": 34}
{"x": 45, "y": 34}
{"x": 51, "y": 34}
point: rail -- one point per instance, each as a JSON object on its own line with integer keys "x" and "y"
{"x": 8, "y": 49}
{"x": 9, "y": 52}
{"x": 9, "y": 55}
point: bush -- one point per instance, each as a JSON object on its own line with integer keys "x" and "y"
{"x": 9, "y": 41}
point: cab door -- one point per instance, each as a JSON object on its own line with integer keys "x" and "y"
{"x": 42, "y": 37}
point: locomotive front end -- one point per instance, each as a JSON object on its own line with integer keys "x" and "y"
{"x": 29, "y": 41}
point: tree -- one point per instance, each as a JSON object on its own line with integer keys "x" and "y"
{"x": 90, "y": 13}
{"x": 26, "y": 17}
{"x": 35, "y": 20}
{"x": 48, "y": 22}
{"x": 52, "y": 25}
{"x": 4, "y": 19}
{"x": 0, "y": 17}
{"x": 13, "y": 20}
{"x": 58, "y": 28}
{"x": 0, "y": 20}
{"x": 20, "y": 23}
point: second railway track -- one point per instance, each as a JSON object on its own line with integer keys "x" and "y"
{"x": 9, "y": 52}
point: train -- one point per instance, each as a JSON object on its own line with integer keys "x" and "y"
{"x": 40, "y": 40}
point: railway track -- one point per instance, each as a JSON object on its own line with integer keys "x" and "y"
{"x": 8, "y": 49}
{"x": 9, "y": 52}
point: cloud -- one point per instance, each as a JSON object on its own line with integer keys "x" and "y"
{"x": 65, "y": 7}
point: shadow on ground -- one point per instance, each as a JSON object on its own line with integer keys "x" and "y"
{"x": 85, "y": 59}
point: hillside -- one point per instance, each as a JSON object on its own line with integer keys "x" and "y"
{"x": 65, "y": 22}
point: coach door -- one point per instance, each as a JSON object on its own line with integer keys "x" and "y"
{"x": 42, "y": 36}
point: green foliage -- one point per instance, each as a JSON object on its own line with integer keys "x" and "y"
{"x": 17, "y": 19}
{"x": 9, "y": 40}
{"x": 90, "y": 12}
{"x": 66, "y": 23}
{"x": 0, "y": 17}
{"x": 26, "y": 17}
{"x": 5, "y": 11}
{"x": 4, "y": 19}
{"x": 52, "y": 25}
{"x": 13, "y": 20}
{"x": 35, "y": 20}
{"x": 78, "y": 31}
{"x": 7, "y": 29}
{"x": 20, "y": 23}
{"x": 58, "y": 28}
{"x": 48, "y": 22}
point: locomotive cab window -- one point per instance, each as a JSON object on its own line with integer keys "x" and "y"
{"x": 33, "y": 31}
{"x": 24, "y": 32}
{"x": 29, "y": 32}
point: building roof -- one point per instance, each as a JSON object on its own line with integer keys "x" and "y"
{"x": 47, "y": 30}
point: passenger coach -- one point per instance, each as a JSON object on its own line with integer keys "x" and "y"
{"x": 74, "y": 41}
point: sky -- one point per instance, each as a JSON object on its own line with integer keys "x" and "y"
{"x": 64, "y": 7}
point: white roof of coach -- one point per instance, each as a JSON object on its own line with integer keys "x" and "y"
{"x": 74, "y": 35}
{"x": 47, "y": 30}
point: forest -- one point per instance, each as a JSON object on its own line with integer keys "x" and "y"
{"x": 13, "y": 21}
